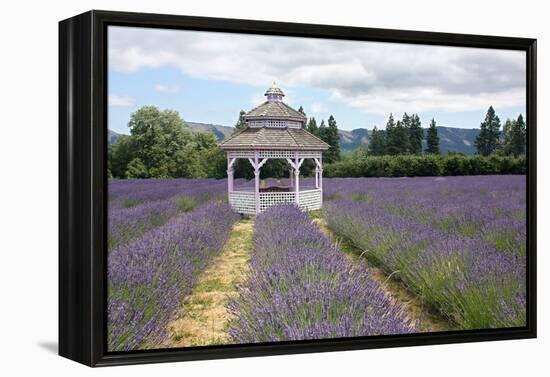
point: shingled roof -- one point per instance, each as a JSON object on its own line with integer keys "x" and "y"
{"x": 274, "y": 139}
{"x": 275, "y": 109}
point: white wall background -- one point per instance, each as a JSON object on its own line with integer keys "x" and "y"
{"x": 28, "y": 199}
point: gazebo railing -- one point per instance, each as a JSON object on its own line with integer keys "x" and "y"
{"x": 245, "y": 201}
{"x": 269, "y": 199}
{"x": 311, "y": 199}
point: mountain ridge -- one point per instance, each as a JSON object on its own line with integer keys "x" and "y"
{"x": 451, "y": 138}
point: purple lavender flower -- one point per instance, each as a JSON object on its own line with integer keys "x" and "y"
{"x": 458, "y": 242}
{"x": 301, "y": 286}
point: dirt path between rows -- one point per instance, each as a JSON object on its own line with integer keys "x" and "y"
{"x": 203, "y": 318}
{"x": 426, "y": 319}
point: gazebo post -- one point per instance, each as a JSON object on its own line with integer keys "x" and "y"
{"x": 291, "y": 177}
{"x": 230, "y": 171}
{"x": 321, "y": 177}
{"x": 316, "y": 175}
{"x": 297, "y": 181}
{"x": 257, "y": 182}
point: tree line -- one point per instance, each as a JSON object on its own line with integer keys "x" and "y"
{"x": 363, "y": 165}
{"x": 405, "y": 137}
{"x": 161, "y": 145}
{"x": 511, "y": 141}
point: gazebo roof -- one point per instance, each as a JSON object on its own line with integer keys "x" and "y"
{"x": 276, "y": 110}
{"x": 275, "y": 139}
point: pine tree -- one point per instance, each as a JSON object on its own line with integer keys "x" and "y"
{"x": 416, "y": 134}
{"x": 405, "y": 124}
{"x": 301, "y": 111}
{"x": 333, "y": 139}
{"x": 391, "y": 146}
{"x": 487, "y": 140}
{"x": 506, "y": 142}
{"x": 432, "y": 140}
{"x": 322, "y": 130}
{"x": 312, "y": 126}
{"x": 518, "y": 136}
{"x": 401, "y": 138}
{"x": 377, "y": 143}
{"x": 241, "y": 123}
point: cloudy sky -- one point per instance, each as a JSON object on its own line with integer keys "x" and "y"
{"x": 209, "y": 77}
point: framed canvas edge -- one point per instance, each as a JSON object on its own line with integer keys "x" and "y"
{"x": 83, "y": 178}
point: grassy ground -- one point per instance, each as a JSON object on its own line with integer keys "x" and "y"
{"x": 202, "y": 318}
{"x": 426, "y": 318}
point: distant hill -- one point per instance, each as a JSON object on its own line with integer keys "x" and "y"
{"x": 221, "y": 132}
{"x": 451, "y": 138}
{"x": 456, "y": 139}
{"x": 112, "y": 136}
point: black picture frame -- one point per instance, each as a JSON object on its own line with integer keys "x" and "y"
{"x": 83, "y": 182}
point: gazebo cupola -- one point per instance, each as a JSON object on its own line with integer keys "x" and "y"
{"x": 274, "y": 131}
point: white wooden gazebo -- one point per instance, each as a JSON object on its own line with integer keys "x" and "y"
{"x": 274, "y": 131}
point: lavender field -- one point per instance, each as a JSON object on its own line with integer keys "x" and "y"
{"x": 302, "y": 287}
{"x": 456, "y": 243}
{"x": 158, "y": 245}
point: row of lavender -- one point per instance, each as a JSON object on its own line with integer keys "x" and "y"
{"x": 159, "y": 251}
{"x": 459, "y": 242}
{"x": 300, "y": 286}
{"x": 136, "y": 206}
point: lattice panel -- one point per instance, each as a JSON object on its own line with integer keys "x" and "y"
{"x": 274, "y": 123}
{"x": 309, "y": 154}
{"x": 269, "y": 199}
{"x": 277, "y": 154}
{"x": 240, "y": 154}
{"x": 310, "y": 200}
{"x": 274, "y": 154}
{"x": 243, "y": 202}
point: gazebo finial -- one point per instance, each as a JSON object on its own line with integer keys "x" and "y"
{"x": 274, "y": 94}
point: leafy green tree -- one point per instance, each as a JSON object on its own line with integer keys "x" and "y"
{"x": 377, "y": 144}
{"x": 136, "y": 169}
{"x": 120, "y": 154}
{"x": 157, "y": 137}
{"x": 487, "y": 140}
{"x": 432, "y": 139}
{"x": 208, "y": 159}
{"x": 416, "y": 134}
{"x": 161, "y": 145}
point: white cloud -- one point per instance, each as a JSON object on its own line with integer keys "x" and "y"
{"x": 370, "y": 76}
{"x": 166, "y": 89}
{"x": 121, "y": 101}
{"x": 318, "y": 108}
